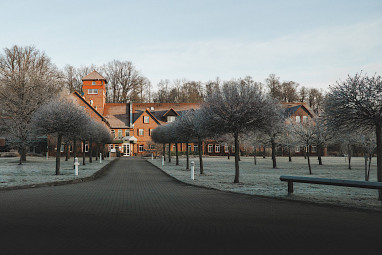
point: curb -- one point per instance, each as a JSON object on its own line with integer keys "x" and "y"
{"x": 92, "y": 177}
{"x": 286, "y": 199}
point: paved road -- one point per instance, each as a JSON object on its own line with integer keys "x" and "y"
{"x": 136, "y": 209}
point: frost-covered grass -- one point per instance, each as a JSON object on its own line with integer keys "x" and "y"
{"x": 262, "y": 179}
{"x": 40, "y": 170}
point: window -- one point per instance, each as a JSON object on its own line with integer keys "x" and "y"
{"x": 119, "y": 132}
{"x": 217, "y": 148}
{"x": 298, "y": 119}
{"x": 189, "y": 148}
{"x": 170, "y": 118}
{"x": 297, "y": 149}
{"x": 195, "y": 148}
{"x": 127, "y": 132}
{"x": 149, "y": 131}
{"x": 152, "y": 146}
{"x": 93, "y": 91}
{"x": 304, "y": 119}
{"x": 314, "y": 149}
{"x": 226, "y": 149}
{"x": 111, "y": 146}
{"x": 146, "y": 119}
{"x": 140, "y": 132}
{"x": 210, "y": 148}
{"x": 113, "y": 132}
{"x": 141, "y": 148}
{"x": 86, "y": 147}
{"x": 174, "y": 147}
{"x": 62, "y": 148}
{"x": 93, "y": 83}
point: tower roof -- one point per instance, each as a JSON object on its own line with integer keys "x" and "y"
{"x": 94, "y": 76}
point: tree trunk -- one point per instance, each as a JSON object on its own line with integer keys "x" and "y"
{"x": 237, "y": 169}
{"x": 169, "y": 152}
{"x": 274, "y": 153}
{"x": 23, "y": 154}
{"x": 90, "y": 151}
{"x": 200, "y": 156}
{"x": 177, "y": 156}
{"x": 254, "y": 155}
{"x": 264, "y": 151}
{"x": 164, "y": 151}
{"x": 58, "y": 154}
{"x": 97, "y": 151}
{"x": 366, "y": 158}
{"x": 229, "y": 151}
{"x": 289, "y": 154}
{"x": 379, "y": 157}
{"x": 368, "y": 171}
{"x": 310, "y": 168}
{"x": 319, "y": 155}
{"x": 188, "y": 158}
{"x": 67, "y": 151}
{"x": 83, "y": 152}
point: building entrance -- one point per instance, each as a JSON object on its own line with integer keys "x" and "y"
{"x": 126, "y": 149}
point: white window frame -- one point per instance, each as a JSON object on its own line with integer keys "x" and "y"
{"x": 189, "y": 147}
{"x": 86, "y": 147}
{"x": 141, "y": 132}
{"x": 141, "y": 148}
{"x": 120, "y": 133}
{"x": 170, "y": 119}
{"x": 297, "y": 149}
{"x": 217, "y": 147}
{"x": 146, "y": 119}
{"x": 62, "y": 148}
{"x": 298, "y": 119}
{"x": 210, "y": 148}
{"x": 92, "y": 91}
{"x": 196, "y": 147}
{"x": 304, "y": 119}
{"x": 226, "y": 149}
{"x": 174, "y": 147}
{"x": 113, "y": 132}
{"x": 93, "y": 83}
{"x": 314, "y": 149}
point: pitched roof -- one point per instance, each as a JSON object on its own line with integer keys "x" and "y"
{"x": 94, "y": 76}
{"x": 90, "y": 106}
{"x": 117, "y": 114}
{"x": 291, "y": 108}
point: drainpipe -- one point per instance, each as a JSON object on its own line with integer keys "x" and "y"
{"x": 131, "y": 115}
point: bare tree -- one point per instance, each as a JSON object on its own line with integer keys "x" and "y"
{"x": 237, "y": 107}
{"x": 60, "y": 117}
{"x": 27, "y": 80}
{"x": 357, "y": 103}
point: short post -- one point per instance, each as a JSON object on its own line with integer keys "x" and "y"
{"x": 76, "y": 164}
{"x": 192, "y": 170}
{"x": 110, "y": 155}
{"x": 152, "y": 156}
{"x": 162, "y": 160}
{"x": 290, "y": 187}
{"x": 47, "y": 156}
{"x": 100, "y": 158}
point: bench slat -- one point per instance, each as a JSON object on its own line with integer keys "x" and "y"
{"x": 335, "y": 182}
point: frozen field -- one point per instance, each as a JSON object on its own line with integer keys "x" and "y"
{"x": 40, "y": 170}
{"x": 262, "y": 179}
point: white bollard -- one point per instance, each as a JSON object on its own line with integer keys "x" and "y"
{"x": 192, "y": 170}
{"x": 100, "y": 158}
{"x": 162, "y": 160}
{"x": 152, "y": 156}
{"x": 76, "y": 164}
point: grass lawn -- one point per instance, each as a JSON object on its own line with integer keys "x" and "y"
{"x": 262, "y": 179}
{"x": 41, "y": 170}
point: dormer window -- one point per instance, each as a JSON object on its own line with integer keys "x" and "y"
{"x": 170, "y": 118}
{"x": 146, "y": 119}
{"x": 298, "y": 119}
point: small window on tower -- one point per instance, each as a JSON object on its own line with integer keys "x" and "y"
{"x": 93, "y": 83}
{"x": 93, "y": 91}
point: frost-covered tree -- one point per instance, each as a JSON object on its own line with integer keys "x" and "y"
{"x": 356, "y": 103}
{"x": 27, "y": 80}
{"x": 60, "y": 117}
{"x": 238, "y": 107}
{"x": 305, "y": 135}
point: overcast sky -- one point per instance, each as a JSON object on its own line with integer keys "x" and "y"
{"x": 312, "y": 42}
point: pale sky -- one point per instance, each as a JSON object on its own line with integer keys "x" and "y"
{"x": 312, "y": 42}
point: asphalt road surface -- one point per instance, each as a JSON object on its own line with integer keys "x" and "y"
{"x": 136, "y": 209}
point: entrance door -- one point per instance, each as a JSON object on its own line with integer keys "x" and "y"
{"x": 126, "y": 149}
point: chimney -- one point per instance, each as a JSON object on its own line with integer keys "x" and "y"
{"x": 131, "y": 114}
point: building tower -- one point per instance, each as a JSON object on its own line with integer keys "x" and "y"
{"x": 94, "y": 88}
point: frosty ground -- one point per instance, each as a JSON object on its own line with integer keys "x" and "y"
{"x": 41, "y": 170}
{"x": 263, "y": 180}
